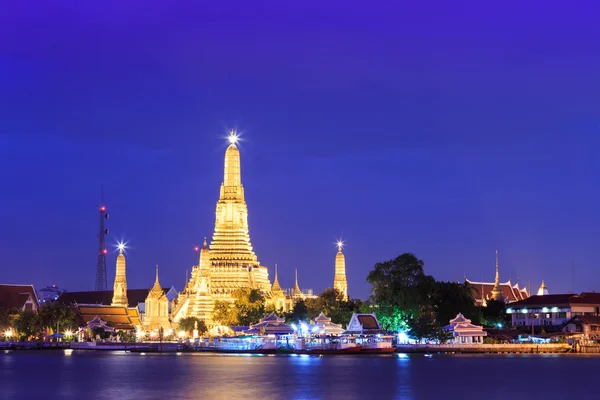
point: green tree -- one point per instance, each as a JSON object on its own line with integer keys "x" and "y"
{"x": 188, "y": 325}
{"x": 494, "y": 314}
{"x": 58, "y": 317}
{"x": 451, "y": 298}
{"x": 28, "y": 324}
{"x": 400, "y": 288}
{"x": 225, "y": 313}
{"x": 424, "y": 325}
{"x": 443, "y": 335}
{"x": 249, "y": 305}
{"x": 299, "y": 313}
{"x": 7, "y": 317}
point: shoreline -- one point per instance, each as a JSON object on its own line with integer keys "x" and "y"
{"x": 179, "y": 348}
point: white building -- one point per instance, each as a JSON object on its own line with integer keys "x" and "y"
{"x": 463, "y": 332}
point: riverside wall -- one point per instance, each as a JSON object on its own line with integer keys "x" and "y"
{"x": 484, "y": 348}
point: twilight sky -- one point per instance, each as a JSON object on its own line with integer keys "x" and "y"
{"x": 446, "y": 130}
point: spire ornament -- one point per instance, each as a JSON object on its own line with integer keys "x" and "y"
{"x": 497, "y": 291}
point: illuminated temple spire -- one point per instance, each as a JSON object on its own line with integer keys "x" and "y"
{"x": 276, "y": 287}
{"x": 296, "y": 292}
{"x": 339, "y": 281}
{"x": 231, "y": 245}
{"x": 120, "y": 285}
{"x": 496, "y": 291}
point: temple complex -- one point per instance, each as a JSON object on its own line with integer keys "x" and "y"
{"x": 229, "y": 262}
{"x": 503, "y": 291}
{"x": 339, "y": 281}
{"x": 120, "y": 285}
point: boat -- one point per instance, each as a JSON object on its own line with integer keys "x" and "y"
{"x": 326, "y": 344}
{"x": 376, "y": 344}
{"x": 331, "y": 351}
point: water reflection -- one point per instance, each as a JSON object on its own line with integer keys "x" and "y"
{"x": 99, "y": 375}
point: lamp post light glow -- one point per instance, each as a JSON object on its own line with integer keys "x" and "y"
{"x": 8, "y": 333}
{"x": 68, "y": 333}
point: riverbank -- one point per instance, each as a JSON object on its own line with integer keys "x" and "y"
{"x": 174, "y": 347}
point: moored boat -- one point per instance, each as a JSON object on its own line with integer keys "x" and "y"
{"x": 321, "y": 351}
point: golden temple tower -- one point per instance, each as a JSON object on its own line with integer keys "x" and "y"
{"x": 296, "y": 292}
{"x": 496, "y": 291}
{"x": 202, "y": 303}
{"x": 339, "y": 281}
{"x": 230, "y": 263}
{"x": 156, "y": 308}
{"x": 277, "y": 294}
{"x": 120, "y": 285}
{"x": 233, "y": 261}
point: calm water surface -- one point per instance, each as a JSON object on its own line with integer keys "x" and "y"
{"x": 118, "y": 375}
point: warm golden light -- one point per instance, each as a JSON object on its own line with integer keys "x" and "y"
{"x": 181, "y": 334}
{"x": 233, "y": 137}
{"x": 8, "y": 333}
{"x": 68, "y": 333}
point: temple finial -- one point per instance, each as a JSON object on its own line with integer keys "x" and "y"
{"x": 204, "y": 245}
{"x": 156, "y": 273}
{"x": 497, "y": 274}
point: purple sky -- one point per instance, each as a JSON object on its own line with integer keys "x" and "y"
{"x": 447, "y": 131}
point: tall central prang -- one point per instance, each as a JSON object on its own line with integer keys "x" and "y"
{"x": 229, "y": 263}
{"x": 233, "y": 261}
{"x": 230, "y": 246}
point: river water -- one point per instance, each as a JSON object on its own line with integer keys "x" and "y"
{"x": 118, "y": 375}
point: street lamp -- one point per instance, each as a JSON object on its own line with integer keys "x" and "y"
{"x": 8, "y": 333}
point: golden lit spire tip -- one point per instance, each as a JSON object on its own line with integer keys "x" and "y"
{"x": 233, "y": 138}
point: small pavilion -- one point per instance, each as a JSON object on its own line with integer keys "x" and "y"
{"x": 271, "y": 324}
{"x": 463, "y": 332}
{"x": 324, "y": 325}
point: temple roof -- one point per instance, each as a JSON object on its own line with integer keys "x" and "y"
{"x": 556, "y": 300}
{"x": 322, "y": 318}
{"x": 104, "y": 297}
{"x": 510, "y": 292}
{"x": 460, "y": 319}
{"x": 121, "y": 317}
{"x": 15, "y": 296}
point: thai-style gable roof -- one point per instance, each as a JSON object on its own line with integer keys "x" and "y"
{"x": 17, "y": 297}
{"x": 463, "y": 326}
{"x": 510, "y": 292}
{"x": 322, "y": 318}
{"x": 121, "y": 317}
{"x": 460, "y": 319}
{"x": 363, "y": 323}
{"x": 104, "y": 297}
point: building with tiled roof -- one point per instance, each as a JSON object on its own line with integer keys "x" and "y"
{"x": 587, "y": 325}
{"x": 19, "y": 297}
{"x": 506, "y": 291}
{"x": 363, "y": 324}
{"x": 553, "y": 309}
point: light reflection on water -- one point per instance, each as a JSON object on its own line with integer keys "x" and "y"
{"x": 120, "y": 375}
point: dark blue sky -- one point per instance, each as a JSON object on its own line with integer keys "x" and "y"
{"x": 445, "y": 130}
